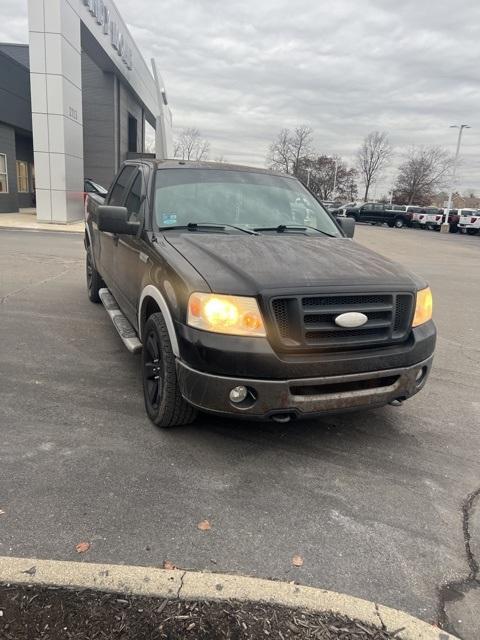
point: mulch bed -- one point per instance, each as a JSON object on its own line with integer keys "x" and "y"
{"x": 45, "y": 613}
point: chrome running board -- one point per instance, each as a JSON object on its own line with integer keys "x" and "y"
{"x": 125, "y": 330}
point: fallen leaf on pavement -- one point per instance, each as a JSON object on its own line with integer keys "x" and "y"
{"x": 204, "y": 525}
{"x": 297, "y": 561}
{"x": 81, "y": 547}
{"x": 168, "y": 564}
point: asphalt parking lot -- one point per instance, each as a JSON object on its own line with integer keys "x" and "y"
{"x": 374, "y": 502}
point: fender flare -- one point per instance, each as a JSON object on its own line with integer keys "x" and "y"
{"x": 152, "y": 292}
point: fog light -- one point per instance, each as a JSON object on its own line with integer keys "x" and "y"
{"x": 238, "y": 394}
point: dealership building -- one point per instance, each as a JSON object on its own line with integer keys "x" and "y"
{"x": 74, "y": 104}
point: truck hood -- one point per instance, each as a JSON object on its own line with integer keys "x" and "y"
{"x": 248, "y": 264}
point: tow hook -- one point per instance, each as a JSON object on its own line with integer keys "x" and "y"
{"x": 396, "y": 403}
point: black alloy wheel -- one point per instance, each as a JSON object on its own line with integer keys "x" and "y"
{"x": 153, "y": 371}
{"x": 164, "y": 403}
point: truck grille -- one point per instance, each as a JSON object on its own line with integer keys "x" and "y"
{"x": 308, "y": 322}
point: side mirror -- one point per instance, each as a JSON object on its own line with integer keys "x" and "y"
{"x": 115, "y": 220}
{"x": 348, "y": 226}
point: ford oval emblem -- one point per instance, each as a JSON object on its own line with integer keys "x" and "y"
{"x": 351, "y": 320}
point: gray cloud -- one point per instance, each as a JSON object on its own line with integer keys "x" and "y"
{"x": 240, "y": 71}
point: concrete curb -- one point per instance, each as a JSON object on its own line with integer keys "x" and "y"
{"x": 45, "y": 229}
{"x": 193, "y": 585}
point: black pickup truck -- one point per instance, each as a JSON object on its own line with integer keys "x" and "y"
{"x": 376, "y": 212}
{"x": 239, "y": 308}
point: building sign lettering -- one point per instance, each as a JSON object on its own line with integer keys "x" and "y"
{"x": 101, "y": 13}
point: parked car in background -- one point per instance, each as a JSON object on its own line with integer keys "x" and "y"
{"x": 433, "y": 218}
{"x": 469, "y": 221}
{"x": 413, "y": 211}
{"x": 430, "y": 218}
{"x": 340, "y": 209}
{"x": 376, "y": 212}
{"x": 328, "y": 204}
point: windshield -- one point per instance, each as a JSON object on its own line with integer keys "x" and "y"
{"x": 241, "y": 198}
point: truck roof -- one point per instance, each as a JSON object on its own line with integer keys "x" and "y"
{"x": 194, "y": 164}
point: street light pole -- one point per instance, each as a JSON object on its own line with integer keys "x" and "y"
{"x": 309, "y": 171}
{"x": 445, "y": 226}
{"x": 335, "y": 177}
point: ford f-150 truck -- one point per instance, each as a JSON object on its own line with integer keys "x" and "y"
{"x": 375, "y": 212}
{"x": 239, "y": 308}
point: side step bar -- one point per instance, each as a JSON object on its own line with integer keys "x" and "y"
{"x": 125, "y": 330}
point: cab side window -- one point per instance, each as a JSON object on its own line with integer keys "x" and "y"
{"x": 118, "y": 192}
{"x": 134, "y": 201}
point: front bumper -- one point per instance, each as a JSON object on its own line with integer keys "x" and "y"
{"x": 303, "y": 397}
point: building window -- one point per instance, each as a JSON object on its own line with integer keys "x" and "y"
{"x": 132, "y": 133}
{"x": 3, "y": 174}
{"x": 22, "y": 176}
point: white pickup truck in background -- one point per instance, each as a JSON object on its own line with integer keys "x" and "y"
{"x": 433, "y": 217}
{"x": 469, "y": 221}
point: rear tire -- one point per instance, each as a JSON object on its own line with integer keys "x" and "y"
{"x": 94, "y": 280}
{"x": 399, "y": 223}
{"x": 472, "y": 232}
{"x": 164, "y": 403}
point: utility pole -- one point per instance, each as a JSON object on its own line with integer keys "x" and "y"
{"x": 445, "y": 226}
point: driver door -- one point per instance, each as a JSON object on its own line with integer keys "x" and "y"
{"x": 108, "y": 241}
{"x": 131, "y": 255}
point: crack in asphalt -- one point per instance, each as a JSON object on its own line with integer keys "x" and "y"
{"x": 456, "y": 589}
{"x": 34, "y": 284}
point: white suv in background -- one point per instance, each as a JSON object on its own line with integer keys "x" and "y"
{"x": 469, "y": 221}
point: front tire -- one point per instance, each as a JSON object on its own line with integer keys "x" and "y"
{"x": 164, "y": 403}
{"x": 94, "y": 280}
{"x": 472, "y": 232}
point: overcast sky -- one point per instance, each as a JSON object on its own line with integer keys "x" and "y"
{"x": 242, "y": 70}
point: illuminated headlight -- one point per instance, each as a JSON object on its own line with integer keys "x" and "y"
{"x": 234, "y": 315}
{"x": 423, "y": 307}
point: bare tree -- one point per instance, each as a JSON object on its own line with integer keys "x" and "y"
{"x": 372, "y": 157}
{"x": 191, "y": 146}
{"x": 424, "y": 171}
{"x": 329, "y": 177}
{"x": 301, "y": 145}
{"x": 279, "y": 155}
{"x": 288, "y": 148}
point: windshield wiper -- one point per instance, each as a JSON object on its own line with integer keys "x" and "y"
{"x": 281, "y": 228}
{"x": 197, "y": 226}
